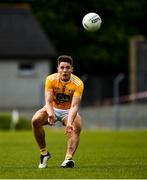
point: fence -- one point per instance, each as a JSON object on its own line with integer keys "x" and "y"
{"x": 131, "y": 116}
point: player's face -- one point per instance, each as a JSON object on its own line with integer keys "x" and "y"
{"x": 65, "y": 70}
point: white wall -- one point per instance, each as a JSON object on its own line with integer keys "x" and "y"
{"x": 22, "y": 89}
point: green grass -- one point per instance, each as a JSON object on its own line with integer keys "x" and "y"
{"x": 109, "y": 154}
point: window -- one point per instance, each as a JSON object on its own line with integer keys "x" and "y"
{"x": 26, "y": 69}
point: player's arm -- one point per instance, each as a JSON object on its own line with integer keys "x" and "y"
{"x": 75, "y": 104}
{"x": 49, "y": 100}
{"x": 49, "y": 106}
{"x": 72, "y": 113}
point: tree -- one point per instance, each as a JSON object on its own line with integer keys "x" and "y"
{"x": 105, "y": 50}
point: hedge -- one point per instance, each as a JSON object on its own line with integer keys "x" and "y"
{"x": 6, "y": 123}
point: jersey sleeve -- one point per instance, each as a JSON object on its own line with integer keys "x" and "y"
{"x": 48, "y": 84}
{"x": 79, "y": 90}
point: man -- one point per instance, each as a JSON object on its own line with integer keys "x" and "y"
{"x": 63, "y": 92}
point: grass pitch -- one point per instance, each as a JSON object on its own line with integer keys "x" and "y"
{"x": 109, "y": 154}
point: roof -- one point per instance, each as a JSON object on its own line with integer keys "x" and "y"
{"x": 21, "y": 35}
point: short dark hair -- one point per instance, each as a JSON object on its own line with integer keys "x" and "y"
{"x": 65, "y": 58}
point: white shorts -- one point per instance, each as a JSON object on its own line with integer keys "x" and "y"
{"x": 61, "y": 114}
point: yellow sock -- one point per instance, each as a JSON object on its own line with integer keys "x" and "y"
{"x": 43, "y": 151}
{"x": 68, "y": 157}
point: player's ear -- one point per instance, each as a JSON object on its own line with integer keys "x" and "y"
{"x": 72, "y": 69}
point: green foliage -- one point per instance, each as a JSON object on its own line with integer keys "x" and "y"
{"x": 6, "y": 123}
{"x": 23, "y": 124}
{"x": 120, "y": 21}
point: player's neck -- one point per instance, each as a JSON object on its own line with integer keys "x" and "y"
{"x": 64, "y": 80}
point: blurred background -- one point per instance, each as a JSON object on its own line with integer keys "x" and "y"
{"x": 112, "y": 62}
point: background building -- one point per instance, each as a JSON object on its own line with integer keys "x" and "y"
{"x": 25, "y": 58}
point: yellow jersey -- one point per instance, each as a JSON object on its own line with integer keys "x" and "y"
{"x": 64, "y": 91}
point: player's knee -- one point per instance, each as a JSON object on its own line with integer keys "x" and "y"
{"x": 78, "y": 126}
{"x": 35, "y": 122}
{"x": 78, "y": 130}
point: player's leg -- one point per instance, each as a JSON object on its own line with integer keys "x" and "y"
{"x": 39, "y": 119}
{"x": 72, "y": 142}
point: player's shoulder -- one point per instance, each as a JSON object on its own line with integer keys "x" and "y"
{"x": 76, "y": 80}
{"x": 52, "y": 77}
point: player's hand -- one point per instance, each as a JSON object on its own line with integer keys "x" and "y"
{"x": 69, "y": 130}
{"x": 51, "y": 120}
